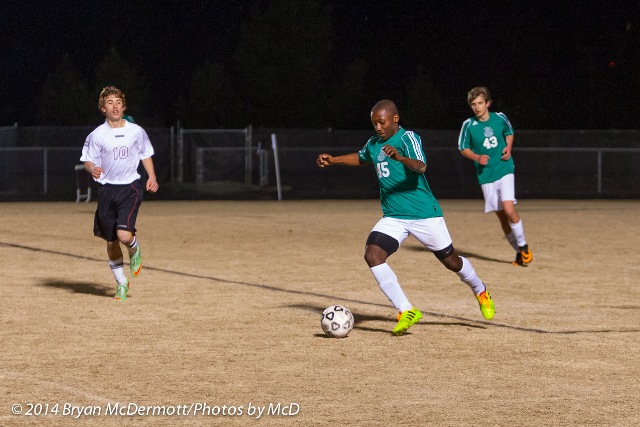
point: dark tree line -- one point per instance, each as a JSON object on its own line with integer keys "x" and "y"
{"x": 320, "y": 63}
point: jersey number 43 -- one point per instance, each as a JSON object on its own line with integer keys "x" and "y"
{"x": 490, "y": 142}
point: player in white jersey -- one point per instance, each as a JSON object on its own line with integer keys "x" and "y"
{"x": 111, "y": 154}
{"x": 409, "y": 208}
{"x": 487, "y": 139}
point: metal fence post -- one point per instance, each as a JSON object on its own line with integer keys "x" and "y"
{"x": 599, "y": 171}
{"x": 45, "y": 156}
{"x": 172, "y": 150}
{"x": 248, "y": 165}
{"x": 180, "y": 154}
{"x": 199, "y": 166}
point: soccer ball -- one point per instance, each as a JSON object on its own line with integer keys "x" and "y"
{"x": 337, "y": 321}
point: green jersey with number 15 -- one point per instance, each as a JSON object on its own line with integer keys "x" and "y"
{"x": 404, "y": 194}
{"x": 488, "y": 138}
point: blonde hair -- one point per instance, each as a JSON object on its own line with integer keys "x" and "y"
{"x": 107, "y": 92}
{"x": 478, "y": 91}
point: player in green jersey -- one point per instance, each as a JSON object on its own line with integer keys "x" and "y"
{"x": 487, "y": 139}
{"x": 409, "y": 208}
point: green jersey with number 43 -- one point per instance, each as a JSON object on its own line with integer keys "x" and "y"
{"x": 488, "y": 138}
{"x": 404, "y": 194}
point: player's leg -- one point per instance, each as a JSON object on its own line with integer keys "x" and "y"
{"x": 504, "y": 223}
{"x": 506, "y": 189}
{"x": 130, "y": 241}
{"x": 379, "y": 247}
{"x": 383, "y": 241}
{"x": 467, "y": 274}
{"x": 104, "y": 226}
{"x": 114, "y": 252}
{"x": 434, "y": 235}
{"x": 492, "y": 197}
{"x": 129, "y": 201}
{"x": 506, "y": 229}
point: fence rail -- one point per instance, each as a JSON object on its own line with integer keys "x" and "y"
{"x": 13, "y": 171}
{"x": 201, "y": 159}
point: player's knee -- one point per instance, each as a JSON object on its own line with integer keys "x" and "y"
{"x": 379, "y": 247}
{"x": 449, "y": 258}
{"x": 453, "y": 263}
{"x": 374, "y": 257}
{"x": 125, "y": 236}
{"x": 513, "y": 216}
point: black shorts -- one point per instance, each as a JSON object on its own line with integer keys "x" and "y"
{"x": 117, "y": 209}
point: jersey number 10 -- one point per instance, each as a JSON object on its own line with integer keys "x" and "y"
{"x": 120, "y": 153}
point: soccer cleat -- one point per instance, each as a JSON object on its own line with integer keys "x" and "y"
{"x": 486, "y": 304}
{"x": 121, "y": 291}
{"x": 518, "y": 260}
{"x": 524, "y": 256}
{"x": 406, "y": 319}
{"x": 135, "y": 262}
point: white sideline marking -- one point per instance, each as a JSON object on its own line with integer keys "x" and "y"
{"x": 17, "y": 375}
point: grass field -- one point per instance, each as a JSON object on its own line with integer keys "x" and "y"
{"x": 225, "y": 319}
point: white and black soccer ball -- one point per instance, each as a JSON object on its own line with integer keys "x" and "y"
{"x": 337, "y": 321}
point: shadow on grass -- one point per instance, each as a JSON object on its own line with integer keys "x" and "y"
{"x": 360, "y": 318}
{"x": 461, "y": 253}
{"x": 87, "y": 288}
{"x": 93, "y": 289}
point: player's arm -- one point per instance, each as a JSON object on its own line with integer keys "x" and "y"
{"x": 89, "y": 155}
{"x": 352, "y": 159}
{"x": 482, "y": 159}
{"x": 152, "y": 183}
{"x": 506, "y": 153}
{"x": 464, "y": 142}
{"x": 94, "y": 170}
{"x": 415, "y": 165}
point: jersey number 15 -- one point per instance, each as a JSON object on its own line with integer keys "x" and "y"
{"x": 382, "y": 169}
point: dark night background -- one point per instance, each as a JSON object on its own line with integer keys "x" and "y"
{"x": 321, "y": 63}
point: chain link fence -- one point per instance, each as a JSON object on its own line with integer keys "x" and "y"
{"x": 38, "y": 163}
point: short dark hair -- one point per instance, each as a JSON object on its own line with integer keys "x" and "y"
{"x": 386, "y": 104}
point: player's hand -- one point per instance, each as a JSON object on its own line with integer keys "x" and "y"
{"x": 506, "y": 154}
{"x": 391, "y": 152}
{"x": 324, "y": 160}
{"x": 96, "y": 171}
{"x": 483, "y": 159}
{"x": 152, "y": 185}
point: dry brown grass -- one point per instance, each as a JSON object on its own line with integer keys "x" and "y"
{"x": 227, "y": 312}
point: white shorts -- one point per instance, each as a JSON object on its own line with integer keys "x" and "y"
{"x": 497, "y": 192}
{"x": 431, "y": 232}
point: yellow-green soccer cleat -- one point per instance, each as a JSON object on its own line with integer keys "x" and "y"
{"x": 121, "y": 291}
{"x": 406, "y": 319}
{"x": 486, "y": 304}
{"x": 135, "y": 262}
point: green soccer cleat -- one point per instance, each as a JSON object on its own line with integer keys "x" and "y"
{"x": 121, "y": 291}
{"x": 486, "y": 304}
{"x": 407, "y": 319}
{"x": 135, "y": 263}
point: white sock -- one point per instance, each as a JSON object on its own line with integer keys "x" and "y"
{"x": 468, "y": 275}
{"x": 117, "y": 268}
{"x": 511, "y": 238}
{"x": 388, "y": 282}
{"x": 518, "y": 231}
{"x": 132, "y": 247}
